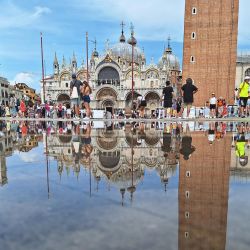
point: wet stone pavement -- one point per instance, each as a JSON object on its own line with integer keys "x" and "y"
{"x": 124, "y": 185}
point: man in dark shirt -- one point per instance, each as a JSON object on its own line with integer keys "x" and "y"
{"x": 75, "y": 100}
{"x": 167, "y": 94}
{"x": 188, "y": 91}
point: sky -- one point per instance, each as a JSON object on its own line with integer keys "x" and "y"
{"x": 64, "y": 24}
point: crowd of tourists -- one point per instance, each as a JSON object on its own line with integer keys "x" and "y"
{"x": 77, "y": 108}
{"x": 173, "y": 104}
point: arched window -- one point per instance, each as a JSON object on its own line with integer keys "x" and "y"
{"x": 6, "y": 94}
{"x": 247, "y": 72}
{"x": 2, "y": 94}
{"x": 194, "y": 11}
{"x": 67, "y": 85}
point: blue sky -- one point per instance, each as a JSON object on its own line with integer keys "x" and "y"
{"x": 64, "y": 24}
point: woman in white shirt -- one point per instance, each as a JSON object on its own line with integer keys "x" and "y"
{"x": 213, "y": 102}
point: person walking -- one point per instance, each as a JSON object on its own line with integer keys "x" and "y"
{"x": 167, "y": 95}
{"x": 188, "y": 91}
{"x": 75, "y": 94}
{"x": 243, "y": 95}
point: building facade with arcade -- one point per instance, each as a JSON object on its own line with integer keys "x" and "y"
{"x": 110, "y": 76}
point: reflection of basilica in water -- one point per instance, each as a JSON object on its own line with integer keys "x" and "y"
{"x": 110, "y": 76}
{"x": 118, "y": 156}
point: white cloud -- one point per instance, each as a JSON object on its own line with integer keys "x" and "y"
{"x": 244, "y": 32}
{"x": 16, "y": 17}
{"x": 153, "y": 20}
{"x": 31, "y": 79}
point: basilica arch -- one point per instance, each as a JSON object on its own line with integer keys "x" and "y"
{"x": 106, "y": 97}
{"x": 108, "y": 73}
{"x": 128, "y": 98}
{"x": 109, "y": 162}
{"x": 153, "y": 100}
{"x": 63, "y": 98}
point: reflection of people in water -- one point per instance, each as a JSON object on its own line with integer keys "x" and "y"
{"x": 167, "y": 139}
{"x": 211, "y": 133}
{"x": 240, "y": 151}
{"x": 86, "y": 147}
{"x": 186, "y": 145}
{"x": 76, "y": 144}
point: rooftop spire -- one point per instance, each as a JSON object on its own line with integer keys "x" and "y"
{"x": 132, "y": 41}
{"x": 122, "y": 37}
{"x": 95, "y": 53}
{"x": 55, "y": 59}
{"x": 63, "y": 62}
{"x": 169, "y": 49}
{"x": 74, "y": 57}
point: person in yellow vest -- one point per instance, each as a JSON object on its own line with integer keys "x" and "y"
{"x": 243, "y": 94}
{"x": 241, "y": 151}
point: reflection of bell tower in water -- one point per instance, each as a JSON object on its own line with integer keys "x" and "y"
{"x": 203, "y": 194}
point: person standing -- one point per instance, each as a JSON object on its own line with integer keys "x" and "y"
{"x": 167, "y": 95}
{"x": 188, "y": 91}
{"x": 243, "y": 94}
{"x": 86, "y": 91}
{"x": 23, "y": 107}
{"x": 75, "y": 94}
{"x": 141, "y": 105}
{"x": 212, "y": 103}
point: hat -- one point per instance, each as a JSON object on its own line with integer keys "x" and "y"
{"x": 74, "y": 76}
{"x": 247, "y": 78}
{"x": 243, "y": 160}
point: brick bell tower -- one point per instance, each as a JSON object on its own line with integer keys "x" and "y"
{"x": 210, "y": 47}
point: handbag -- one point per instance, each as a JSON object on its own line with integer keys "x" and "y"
{"x": 74, "y": 94}
{"x": 143, "y": 103}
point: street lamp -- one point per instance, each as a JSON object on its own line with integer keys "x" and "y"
{"x": 132, "y": 41}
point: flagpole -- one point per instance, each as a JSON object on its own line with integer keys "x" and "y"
{"x": 42, "y": 67}
{"x": 87, "y": 55}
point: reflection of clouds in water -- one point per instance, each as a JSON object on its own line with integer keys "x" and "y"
{"x": 34, "y": 155}
{"x": 31, "y": 157}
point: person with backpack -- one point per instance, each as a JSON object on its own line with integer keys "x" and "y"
{"x": 75, "y": 94}
{"x": 243, "y": 95}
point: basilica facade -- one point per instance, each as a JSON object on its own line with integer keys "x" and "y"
{"x": 110, "y": 76}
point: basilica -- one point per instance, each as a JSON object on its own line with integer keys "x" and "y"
{"x": 110, "y": 76}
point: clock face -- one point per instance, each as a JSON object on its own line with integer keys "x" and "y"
{"x": 65, "y": 77}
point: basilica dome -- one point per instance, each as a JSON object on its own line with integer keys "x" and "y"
{"x": 169, "y": 60}
{"x": 123, "y": 51}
